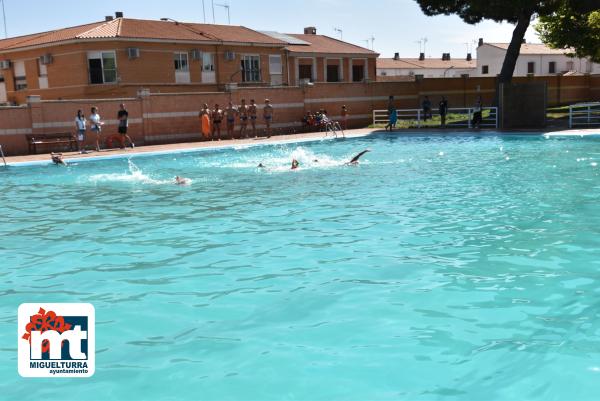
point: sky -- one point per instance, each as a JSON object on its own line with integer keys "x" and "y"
{"x": 395, "y": 25}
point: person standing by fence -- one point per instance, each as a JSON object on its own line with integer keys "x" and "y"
{"x": 392, "y": 114}
{"x": 477, "y": 117}
{"x": 443, "y": 111}
{"x": 123, "y": 117}
{"x": 426, "y": 108}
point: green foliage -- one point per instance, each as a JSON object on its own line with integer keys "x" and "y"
{"x": 576, "y": 26}
{"x": 474, "y": 11}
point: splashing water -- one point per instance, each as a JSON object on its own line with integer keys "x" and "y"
{"x": 135, "y": 175}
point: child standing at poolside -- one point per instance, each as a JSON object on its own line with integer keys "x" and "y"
{"x": 243, "y": 112}
{"x": 344, "y": 118}
{"x": 217, "y": 117}
{"x": 253, "y": 111}
{"x": 80, "y": 125}
{"x": 96, "y": 126}
{"x": 230, "y": 113}
{"x": 268, "y": 116}
{"x": 392, "y": 114}
{"x": 205, "y": 122}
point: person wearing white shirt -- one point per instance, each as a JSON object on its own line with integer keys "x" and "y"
{"x": 80, "y": 125}
{"x": 96, "y": 126}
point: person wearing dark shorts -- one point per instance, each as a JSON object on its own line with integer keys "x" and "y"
{"x": 123, "y": 117}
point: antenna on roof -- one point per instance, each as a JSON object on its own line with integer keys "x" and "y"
{"x": 228, "y": 16}
{"x": 338, "y": 30}
{"x": 4, "y": 18}
{"x": 372, "y": 40}
{"x": 424, "y": 44}
{"x": 204, "y": 11}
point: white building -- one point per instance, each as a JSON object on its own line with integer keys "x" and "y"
{"x": 536, "y": 59}
{"x": 443, "y": 67}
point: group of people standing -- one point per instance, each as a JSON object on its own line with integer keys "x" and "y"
{"x": 96, "y": 123}
{"x": 212, "y": 119}
{"x": 427, "y": 108}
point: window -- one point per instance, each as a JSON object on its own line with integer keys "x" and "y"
{"x": 42, "y": 75}
{"x": 333, "y": 73}
{"x": 552, "y": 67}
{"x": 485, "y": 69}
{"x": 305, "y": 72}
{"x": 250, "y": 68}
{"x": 358, "y": 73}
{"x": 208, "y": 62}
{"x": 181, "y": 62}
{"x": 102, "y": 67}
{"x": 275, "y": 64}
{"x": 530, "y": 67}
{"x": 20, "y": 77}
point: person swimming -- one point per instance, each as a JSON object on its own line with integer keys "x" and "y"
{"x": 260, "y": 165}
{"x": 295, "y": 164}
{"x": 57, "y": 158}
{"x": 182, "y": 180}
{"x": 354, "y": 160}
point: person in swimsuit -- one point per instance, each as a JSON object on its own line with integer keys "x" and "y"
{"x": 252, "y": 112}
{"x": 268, "y": 116}
{"x": 295, "y": 164}
{"x": 354, "y": 160}
{"x": 182, "y": 180}
{"x": 204, "y": 115}
{"x": 230, "y": 113}
{"x": 123, "y": 117}
{"x": 57, "y": 158}
{"x": 344, "y": 118}
{"x": 243, "y": 113}
{"x": 96, "y": 126}
{"x": 217, "y": 117}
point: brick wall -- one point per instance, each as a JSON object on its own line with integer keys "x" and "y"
{"x": 163, "y": 117}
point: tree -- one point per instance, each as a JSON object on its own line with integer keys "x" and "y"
{"x": 574, "y": 26}
{"x": 518, "y": 12}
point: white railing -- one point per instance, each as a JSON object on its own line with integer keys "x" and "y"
{"x": 456, "y": 117}
{"x": 584, "y": 114}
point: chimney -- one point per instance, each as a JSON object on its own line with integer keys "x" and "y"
{"x": 421, "y": 56}
{"x": 443, "y": 56}
{"x": 448, "y": 56}
{"x": 480, "y": 42}
{"x": 108, "y": 18}
{"x": 396, "y": 56}
{"x": 119, "y": 14}
{"x": 469, "y": 57}
{"x": 311, "y": 30}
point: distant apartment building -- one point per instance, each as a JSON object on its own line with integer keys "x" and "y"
{"x": 119, "y": 56}
{"x": 534, "y": 59}
{"x": 443, "y": 67}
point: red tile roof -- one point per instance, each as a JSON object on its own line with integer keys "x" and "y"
{"x": 531, "y": 48}
{"x": 415, "y": 63}
{"x": 128, "y": 28}
{"x": 325, "y": 44}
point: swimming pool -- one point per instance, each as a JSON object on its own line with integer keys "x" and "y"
{"x": 445, "y": 267}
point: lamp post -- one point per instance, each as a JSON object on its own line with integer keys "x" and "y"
{"x": 228, "y": 16}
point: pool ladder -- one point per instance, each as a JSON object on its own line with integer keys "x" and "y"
{"x": 2, "y": 153}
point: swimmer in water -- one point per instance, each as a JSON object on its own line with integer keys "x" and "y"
{"x": 354, "y": 160}
{"x": 57, "y": 158}
{"x": 182, "y": 180}
{"x": 295, "y": 164}
{"x": 260, "y": 165}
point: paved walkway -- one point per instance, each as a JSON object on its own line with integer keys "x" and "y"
{"x": 186, "y": 146}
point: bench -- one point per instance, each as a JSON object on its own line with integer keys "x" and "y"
{"x": 54, "y": 139}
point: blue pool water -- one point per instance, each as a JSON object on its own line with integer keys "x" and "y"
{"x": 450, "y": 268}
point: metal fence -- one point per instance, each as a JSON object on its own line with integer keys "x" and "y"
{"x": 584, "y": 115}
{"x": 456, "y": 117}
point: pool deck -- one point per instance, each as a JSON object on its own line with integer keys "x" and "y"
{"x": 188, "y": 146}
{"x": 276, "y": 139}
